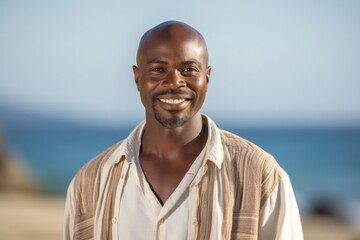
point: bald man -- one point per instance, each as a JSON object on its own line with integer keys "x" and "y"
{"x": 177, "y": 175}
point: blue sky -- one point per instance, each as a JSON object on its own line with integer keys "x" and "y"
{"x": 277, "y": 63}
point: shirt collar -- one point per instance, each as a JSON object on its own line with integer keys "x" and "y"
{"x": 130, "y": 146}
{"x": 214, "y": 145}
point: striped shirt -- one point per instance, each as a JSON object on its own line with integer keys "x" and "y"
{"x": 240, "y": 192}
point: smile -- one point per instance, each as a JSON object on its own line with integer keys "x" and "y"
{"x": 172, "y": 101}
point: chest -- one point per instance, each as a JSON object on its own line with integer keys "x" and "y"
{"x": 165, "y": 176}
{"x": 140, "y": 209}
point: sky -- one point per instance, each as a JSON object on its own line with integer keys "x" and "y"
{"x": 274, "y": 63}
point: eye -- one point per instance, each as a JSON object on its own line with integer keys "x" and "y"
{"x": 157, "y": 69}
{"x": 188, "y": 71}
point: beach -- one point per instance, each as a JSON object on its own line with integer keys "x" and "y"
{"x": 31, "y": 216}
{"x": 318, "y": 227}
{"x": 40, "y": 216}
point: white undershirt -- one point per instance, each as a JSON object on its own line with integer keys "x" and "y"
{"x": 141, "y": 216}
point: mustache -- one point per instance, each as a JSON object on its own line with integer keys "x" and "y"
{"x": 189, "y": 94}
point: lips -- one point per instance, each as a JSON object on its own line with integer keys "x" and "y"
{"x": 173, "y": 100}
{"x": 173, "y": 103}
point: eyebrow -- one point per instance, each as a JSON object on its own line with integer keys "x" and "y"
{"x": 191, "y": 62}
{"x": 152, "y": 61}
{"x": 157, "y": 61}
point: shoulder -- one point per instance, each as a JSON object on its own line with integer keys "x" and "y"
{"x": 89, "y": 172}
{"x": 235, "y": 144}
{"x": 232, "y": 140}
{"x": 84, "y": 188}
{"x": 250, "y": 158}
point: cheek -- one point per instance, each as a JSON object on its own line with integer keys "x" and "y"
{"x": 200, "y": 86}
{"x": 200, "y": 89}
{"x": 145, "y": 94}
{"x": 203, "y": 87}
{"x": 148, "y": 84}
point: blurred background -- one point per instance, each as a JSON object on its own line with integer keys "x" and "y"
{"x": 285, "y": 75}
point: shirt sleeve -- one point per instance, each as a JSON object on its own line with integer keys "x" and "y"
{"x": 69, "y": 213}
{"x": 279, "y": 217}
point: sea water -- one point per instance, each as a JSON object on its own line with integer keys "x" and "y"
{"x": 321, "y": 163}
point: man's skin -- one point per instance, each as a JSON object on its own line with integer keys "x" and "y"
{"x": 172, "y": 77}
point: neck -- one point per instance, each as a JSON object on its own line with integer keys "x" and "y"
{"x": 163, "y": 141}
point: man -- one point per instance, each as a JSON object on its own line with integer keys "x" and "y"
{"x": 178, "y": 176}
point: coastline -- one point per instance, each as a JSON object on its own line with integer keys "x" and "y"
{"x": 40, "y": 216}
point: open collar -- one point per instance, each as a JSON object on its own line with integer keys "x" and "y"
{"x": 130, "y": 146}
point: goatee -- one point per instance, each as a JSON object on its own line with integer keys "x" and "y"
{"x": 175, "y": 121}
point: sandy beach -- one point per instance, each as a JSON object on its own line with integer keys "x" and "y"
{"x": 328, "y": 228}
{"x": 40, "y": 217}
{"x": 31, "y": 216}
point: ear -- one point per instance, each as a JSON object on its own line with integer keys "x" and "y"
{"x": 208, "y": 72}
{"x": 136, "y": 75}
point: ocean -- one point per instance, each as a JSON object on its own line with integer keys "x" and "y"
{"x": 322, "y": 164}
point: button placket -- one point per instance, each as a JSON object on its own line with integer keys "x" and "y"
{"x": 160, "y": 223}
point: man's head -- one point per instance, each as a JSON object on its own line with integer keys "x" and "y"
{"x": 172, "y": 73}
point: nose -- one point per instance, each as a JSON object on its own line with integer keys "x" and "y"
{"x": 174, "y": 80}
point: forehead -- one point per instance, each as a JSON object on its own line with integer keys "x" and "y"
{"x": 175, "y": 43}
{"x": 174, "y": 50}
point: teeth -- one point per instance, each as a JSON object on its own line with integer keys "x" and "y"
{"x": 172, "y": 101}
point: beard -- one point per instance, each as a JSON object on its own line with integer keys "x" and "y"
{"x": 175, "y": 121}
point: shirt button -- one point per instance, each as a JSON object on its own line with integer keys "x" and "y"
{"x": 114, "y": 220}
{"x": 161, "y": 221}
{"x": 195, "y": 222}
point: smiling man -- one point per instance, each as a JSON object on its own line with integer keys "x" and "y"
{"x": 177, "y": 175}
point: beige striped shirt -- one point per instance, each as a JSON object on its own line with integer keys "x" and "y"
{"x": 242, "y": 193}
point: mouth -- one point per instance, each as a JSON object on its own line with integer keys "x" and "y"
{"x": 173, "y": 101}
{"x": 173, "y": 104}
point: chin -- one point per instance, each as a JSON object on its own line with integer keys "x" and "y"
{"x": 173, "y": 122}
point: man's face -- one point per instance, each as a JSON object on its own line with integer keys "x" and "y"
{"x": 172, "y": 78}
